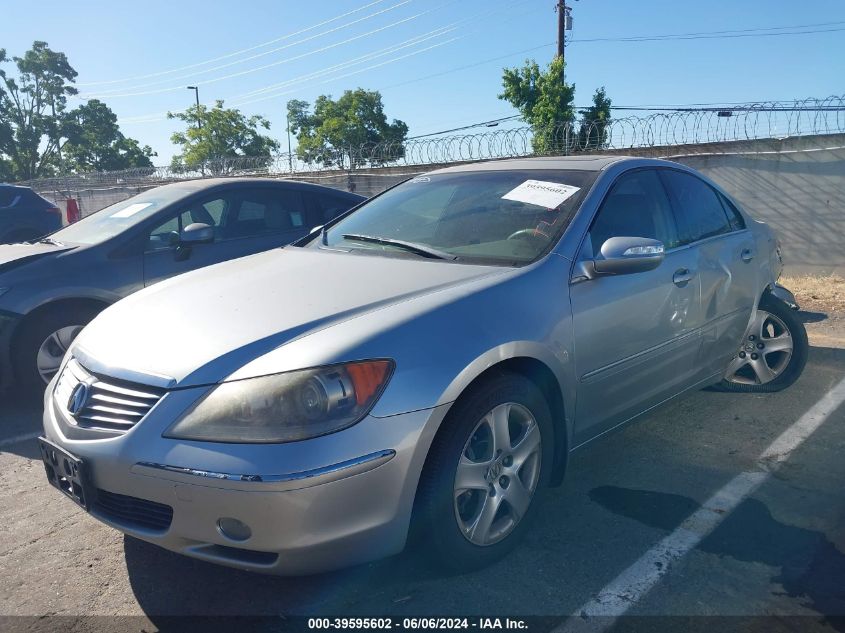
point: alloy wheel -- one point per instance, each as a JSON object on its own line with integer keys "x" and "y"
{"x": 497, "y": 474}
{"x": 53, "y": 349}
{"x": 765, "y": 352}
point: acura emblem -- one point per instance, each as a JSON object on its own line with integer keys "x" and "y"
{"x": 78, "y": 398}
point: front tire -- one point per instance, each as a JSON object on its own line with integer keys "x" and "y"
{"x": 477, "y": 494}
{"x": 773, "y": 353}
{"x": 43, "y": 343}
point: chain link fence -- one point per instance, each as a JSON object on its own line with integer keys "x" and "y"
{"x": 369, "y": 169}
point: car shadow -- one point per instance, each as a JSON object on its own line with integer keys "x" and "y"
{"x": 811, "y": 317}
{"x": 167, "y": 584}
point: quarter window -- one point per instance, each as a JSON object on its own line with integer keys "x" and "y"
{"x": 700, "y": 212}
{"x": 637, "y": 206}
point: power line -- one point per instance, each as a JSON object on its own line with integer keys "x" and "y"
{"x": 699, "y": 35}
{"x": 357, "y": 60}
{"x": 194, "y": 76}
{"x": 756, "y": 32}
{"x": 358, "y": 72}
{"x": 473, "y": 18}
{"x": 160, "y": 116}
{"x": 319, "y": 73}
{"x": 443, "y": 30}
{"x": 282, "y": 61}
{"x": 235, "y": 53}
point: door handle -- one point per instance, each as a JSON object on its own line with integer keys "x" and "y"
{"x": 747, "y": 255}
{"x": 682, "y": 277}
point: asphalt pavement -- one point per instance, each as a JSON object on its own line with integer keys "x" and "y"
{"x": 777, "y": 551}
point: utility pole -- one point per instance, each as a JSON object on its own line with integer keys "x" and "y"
{"x": 561, "y": 27}
{"x": 564, "y": 24}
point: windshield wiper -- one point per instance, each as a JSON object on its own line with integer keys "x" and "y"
{"x": 419, "y": 249}
{"x": 51, "y": 241}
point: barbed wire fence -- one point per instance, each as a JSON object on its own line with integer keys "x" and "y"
{"x": 370, "y": 168}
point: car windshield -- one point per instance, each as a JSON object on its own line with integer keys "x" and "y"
{"x": 115, "y": 219}
{"x": 490, "y": 217}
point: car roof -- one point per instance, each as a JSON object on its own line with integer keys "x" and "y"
{"x": 6, "y": 185}
{"x": 591, "y": 162}
{"x": 204, "y": 184}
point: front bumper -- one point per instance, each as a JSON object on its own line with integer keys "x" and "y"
{"x": 311, "y": 506}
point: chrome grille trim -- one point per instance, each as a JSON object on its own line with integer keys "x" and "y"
{"x": 113, "y": 404}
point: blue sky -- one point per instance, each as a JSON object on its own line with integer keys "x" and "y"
{"x": 150, "y": 51}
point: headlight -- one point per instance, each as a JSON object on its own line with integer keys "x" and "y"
{"x": 287, "y": 407}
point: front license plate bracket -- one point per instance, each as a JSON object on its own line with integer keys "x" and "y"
{"x": 66, "y": 472}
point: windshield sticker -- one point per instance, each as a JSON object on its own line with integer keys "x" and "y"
{"x": 421, "y": 179}
{"x": 541, "y": 193}
{"x": 131, "y": 210}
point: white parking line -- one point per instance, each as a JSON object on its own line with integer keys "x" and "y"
{"x": 17, "y": 439}
{"x": 600, "y": 613}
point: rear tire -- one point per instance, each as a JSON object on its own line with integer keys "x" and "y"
{"x": 469, "y": 467}
{"x": 775, "y": 326}
{"x": 47, "y": 337}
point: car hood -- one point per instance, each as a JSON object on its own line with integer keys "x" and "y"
{"x": 202, "y": 326}
{"x": 14, "y": 255}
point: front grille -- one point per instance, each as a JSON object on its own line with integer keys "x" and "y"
{"x": 133, "y": 512}
{"x": 111, "y": 404}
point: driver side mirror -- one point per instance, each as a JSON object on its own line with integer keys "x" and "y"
{"x": 196, "y": 233}
{"x": 624, "y": 256}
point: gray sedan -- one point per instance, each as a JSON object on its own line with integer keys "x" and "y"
{"x": 426, "y": 362}
{"x": 51, "y": 288}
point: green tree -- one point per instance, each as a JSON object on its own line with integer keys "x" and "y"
{"x": 33, "y": 107}
{"x": 216, "y": 135}
{"x": 95, "y": 142}
{"x": 594, "y": 121}
{"x": 544, "y": 100}
{"x": 336, "y": 132}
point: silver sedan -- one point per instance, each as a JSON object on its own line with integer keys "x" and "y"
{"x": 427, "y": 361}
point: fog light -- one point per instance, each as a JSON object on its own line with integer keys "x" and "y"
{"x": 233, "y": 529}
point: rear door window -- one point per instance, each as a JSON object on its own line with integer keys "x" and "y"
{"x": 264, "y": 211}
{"x": 698, "y": 207}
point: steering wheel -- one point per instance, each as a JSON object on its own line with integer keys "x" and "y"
{"x": 521, "y": 234}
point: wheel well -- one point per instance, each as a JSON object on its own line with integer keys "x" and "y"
{"x": 540, "y": 374}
